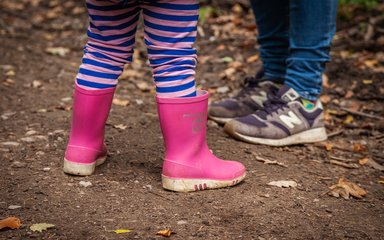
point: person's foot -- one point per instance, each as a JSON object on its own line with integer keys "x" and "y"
{"x": 284, "y": 120}
{"x": 247, "y": 101}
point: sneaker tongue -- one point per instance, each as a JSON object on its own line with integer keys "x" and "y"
{"x": 287, "y": 94}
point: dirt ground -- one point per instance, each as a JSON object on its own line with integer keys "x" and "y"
{"x": 125, "y": 193}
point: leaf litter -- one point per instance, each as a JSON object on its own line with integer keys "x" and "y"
{"x": 39, "y": 227}
{"x": 345, "y": 189}
{"x": 10, "y": 222}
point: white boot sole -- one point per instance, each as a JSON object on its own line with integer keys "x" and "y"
{"x": 191, "y": 185}
{"x": 82, "y": 169}
{"x": 220, "y": 120}
{"x": 309, "y": 136}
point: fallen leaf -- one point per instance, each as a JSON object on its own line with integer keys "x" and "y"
{"x": 328, "y": 146}
{"x": 36, "y": 84}
{"x": 10, "y": 222}
{"x": 143, "y": 86}
{"x": 349, "y": 94}
{"x": 371, "y": 63}
{"x": 283, "y": 184}
{"x": 59, "y": 51}
{"x": 367, "y": 81}
{"x": 39, "y": 227}
{"x": 253, "y": 58}
{"x": 120, "y": 126}
{"x": 345, "y": 189}
{"x": 357, "y": 147}
{"x": 165, "y": 232}
{"x": 363, "y": 161}
{"x": 348, "y": 119}
{"x": 229, "y": 72}
{"x": 10, "y": 73}
{"x": 13, "y": 207}
{"x": 222, "y": 89}
{"x": 120, "y": 102}
{"x": 325, "y": 81}
{"x": 226, "y": 59}
{"x": 8, "y": 82}
{"x": 325, "y": 99}
{"x": 120, "y": 231}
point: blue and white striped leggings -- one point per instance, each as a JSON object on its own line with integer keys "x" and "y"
{"x": 170, "y": 28}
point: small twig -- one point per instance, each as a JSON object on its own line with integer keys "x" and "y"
{"x": 379, "y": 136}
{"x": 343, "y": 164}
{"x": 270, "y": 162}
{"x": 335, "y": 133}
{"x": 361, "y": 114}
{"x": 341, "y": 159}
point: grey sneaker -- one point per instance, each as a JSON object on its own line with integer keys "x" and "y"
{"x": 283, "y": 121}
{"x": 250, "y": 99}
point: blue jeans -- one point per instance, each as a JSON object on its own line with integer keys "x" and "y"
{"x": 295, "y": 38}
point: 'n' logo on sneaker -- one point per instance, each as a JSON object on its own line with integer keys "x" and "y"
{"x": 290, "y": 119}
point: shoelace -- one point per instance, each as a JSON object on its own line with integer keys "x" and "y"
{"x": 272, "y": 104}
{"x": 249, "y": 85}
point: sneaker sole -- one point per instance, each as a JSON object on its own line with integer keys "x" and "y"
{"x": 191, "y": 185}
{"x": 82, "y": 169}
{"x": 309, "y": 136}
{"x": 220, "y": 120}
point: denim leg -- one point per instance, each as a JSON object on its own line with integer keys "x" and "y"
{"x": 312, "y": 26}
{"x": 272, "y": 19}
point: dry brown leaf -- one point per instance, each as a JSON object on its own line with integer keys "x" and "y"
{"x": 349, "y": 94}
{"x": 348, "y": 119}
{"x": 283, "y": 183}
{"x": 325, "y": 81}
{"x": 165, "y": 232}
{"x": 363, "y": 161}
{"x": 328, "y": 146}
{"x": 325, "y": 99}
{"x": 345, "y": 189}
{"x": 253, "y": 58}
{"x": 60, "y": 51}
{"x": 357, "y": 147}
{"x": 120, "y": 102}
{"x": 10, "y": 222}
{"x": 120, "y": 126}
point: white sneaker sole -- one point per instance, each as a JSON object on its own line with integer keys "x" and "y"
{"x": 309, "y": 136}
{"x": 220, "y": 120}
{"x": 191, "y": 185}
{"x": 82, "y": 169}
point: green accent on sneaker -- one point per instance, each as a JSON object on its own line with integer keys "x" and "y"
{"x": 308, "y": 104}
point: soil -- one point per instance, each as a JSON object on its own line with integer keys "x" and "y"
{"x": 126, "y": 192}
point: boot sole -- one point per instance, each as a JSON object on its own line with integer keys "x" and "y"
{"x": 220, "y": 120}
{"x": 82, "y": 169}
{"x": 309, "y": 136}
{"x": 191, "y": 185}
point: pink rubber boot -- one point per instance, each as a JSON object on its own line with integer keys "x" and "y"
{"x": 189, "y": 165}
{"x": 86, "y": 148}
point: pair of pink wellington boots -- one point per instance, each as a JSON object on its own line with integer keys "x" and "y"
{"x": 188, "y": 166}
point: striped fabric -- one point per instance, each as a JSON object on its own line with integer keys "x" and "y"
{"x": 170, "y": 31}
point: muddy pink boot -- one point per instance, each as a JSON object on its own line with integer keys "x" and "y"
{"x": 86, "y": 148}
{"x": 189, "y": 165}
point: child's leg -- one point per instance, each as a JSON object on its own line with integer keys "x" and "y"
{"x": 170, "y": 32}
{"x": 111, "y": 36}
{"x": 189, "y": 165}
